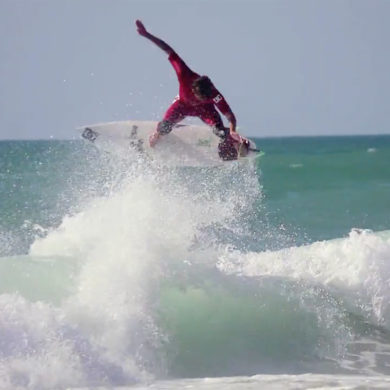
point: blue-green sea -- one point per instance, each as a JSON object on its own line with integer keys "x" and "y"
{"x": 120, "y": 272}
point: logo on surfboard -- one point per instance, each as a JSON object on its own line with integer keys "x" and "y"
{"x": 89, "y": 134}
{"x": 137, "y": 144}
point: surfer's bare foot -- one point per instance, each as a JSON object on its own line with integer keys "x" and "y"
{"x": 154, "y": 138}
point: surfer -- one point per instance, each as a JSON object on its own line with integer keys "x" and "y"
{"x": 197, "y": 97}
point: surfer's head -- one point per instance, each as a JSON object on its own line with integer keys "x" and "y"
{"x": 203, "y": 88}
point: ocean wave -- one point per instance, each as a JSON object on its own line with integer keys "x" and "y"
{"x": 144, "y": 281}
{"x": 357, "y": 266}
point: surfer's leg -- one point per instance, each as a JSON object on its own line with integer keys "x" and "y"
{"x": 209, "y": 115}
{"x": 174, "y": 114}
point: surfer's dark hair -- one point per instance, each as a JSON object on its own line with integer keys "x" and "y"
{"x": 203, "y": 86}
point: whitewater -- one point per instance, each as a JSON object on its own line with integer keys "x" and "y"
{"x": 116, "y": 272}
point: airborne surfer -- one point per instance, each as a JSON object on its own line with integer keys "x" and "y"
{"x": 197, "y": 97}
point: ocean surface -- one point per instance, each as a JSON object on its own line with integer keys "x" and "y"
{"x": 119, "y": 273}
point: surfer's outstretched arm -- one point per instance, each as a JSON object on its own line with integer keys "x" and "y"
{"x": 178, "y": 64}
{"x": 157, "y": 41}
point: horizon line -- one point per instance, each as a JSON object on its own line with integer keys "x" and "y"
{"x": 250, "y": 136}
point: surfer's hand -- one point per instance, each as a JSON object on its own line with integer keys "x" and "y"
{"x": 154, "y": 138}
{"x": 236, "y": 137}
{"x": 141, "y": 28}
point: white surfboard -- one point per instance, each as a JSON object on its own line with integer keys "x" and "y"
{"x": 185, "y": 145}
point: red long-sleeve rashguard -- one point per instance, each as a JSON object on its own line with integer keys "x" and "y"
{"x": 187, "y": 104}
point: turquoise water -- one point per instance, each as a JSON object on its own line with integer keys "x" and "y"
{"x": 324, "y": 186}
{"x": 115, "y": 271}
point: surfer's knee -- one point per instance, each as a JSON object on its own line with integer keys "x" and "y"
{"x": 165, "y": 127}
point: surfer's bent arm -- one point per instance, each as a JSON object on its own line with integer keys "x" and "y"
{"x": 232, "y": 120}
{"x": 224, "y": 107}
{"x": 178, "y": 64}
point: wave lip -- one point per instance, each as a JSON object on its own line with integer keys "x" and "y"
{"x": 356, "y": 266}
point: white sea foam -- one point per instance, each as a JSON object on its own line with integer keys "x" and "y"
{"x": 358, "y": 265}
{"x": 104, "y": 332}
{"x": 33, "y": 347}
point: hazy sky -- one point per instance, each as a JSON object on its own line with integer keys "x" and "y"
{"x": 286, "y": 67}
